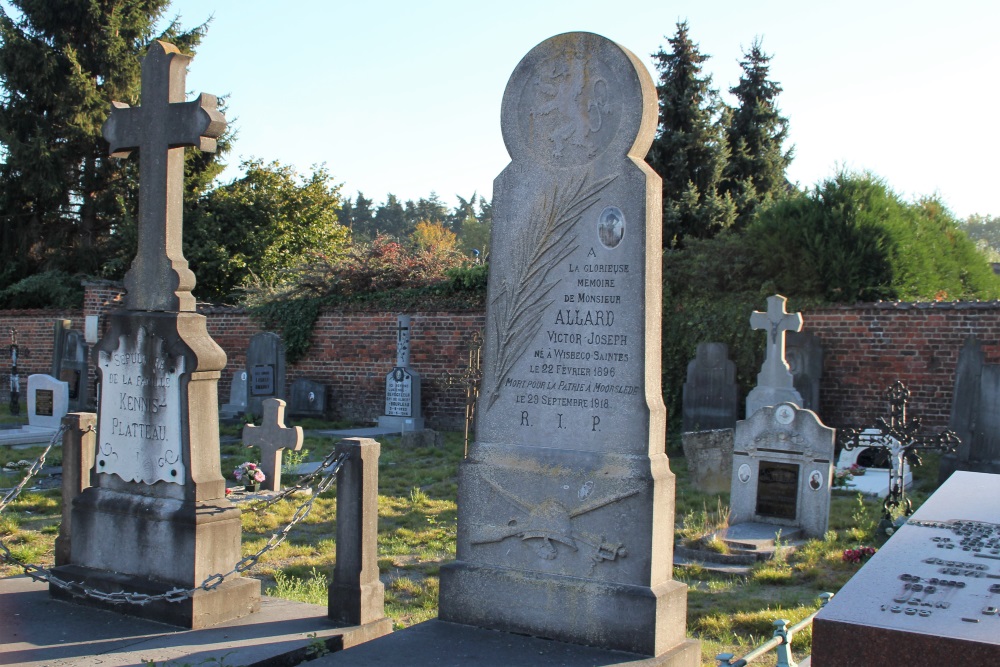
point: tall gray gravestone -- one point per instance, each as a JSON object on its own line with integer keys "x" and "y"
{"x": 69, "y": 363}
{"x": 265, "y": 370}
{"x": 775, "y": 383}
{"x": 156, "y": 517}
{"x": 975, "y": 414}
{"x": 804, "y": 355}
{"x": 402, "y": 386}
{"x": 566, "y": 499}
{"x": 711, "y": 395}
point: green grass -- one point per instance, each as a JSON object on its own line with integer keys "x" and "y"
{"x": 417, "y": 527}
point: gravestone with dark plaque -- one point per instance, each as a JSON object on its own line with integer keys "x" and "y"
{"x": 48, "y": 401}
{"x": 566, "y": 498}
{"x": 775, "y": 383}
{"x": 711, "y": 395}
{"x": 265, "y": 370}
{"x": 402, "y": 386}
{"x": 156, "y": 518}
{"x": 782, "y": 470}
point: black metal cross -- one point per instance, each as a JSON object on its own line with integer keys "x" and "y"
{"x": 898, "y": 441}
{"x": 159, "y": 278}
{"x": 470, "y": 379}
{"x": 15, "y": 378}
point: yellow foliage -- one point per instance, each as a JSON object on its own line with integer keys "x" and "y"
{"x": 433, "y": 237}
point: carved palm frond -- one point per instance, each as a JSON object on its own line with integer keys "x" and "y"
{"x": 522, "y": 298}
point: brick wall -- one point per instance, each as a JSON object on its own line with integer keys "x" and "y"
{"x": 866, "y": 348}
{"x": 869, "y": 346}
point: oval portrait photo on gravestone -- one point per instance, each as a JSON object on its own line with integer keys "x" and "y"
{"x": 611, "y": 227}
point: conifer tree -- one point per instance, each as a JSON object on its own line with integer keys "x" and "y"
{"x": 689, "y": 151}
{"x": 755, "y": 134}
{"x": 65, "y": 205}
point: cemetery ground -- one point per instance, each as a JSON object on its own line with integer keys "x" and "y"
{"x": 417, "y": 521}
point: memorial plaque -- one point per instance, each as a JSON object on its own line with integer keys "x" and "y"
{"x": 399, "y": 393}
{"x": 44, "y": 402}
{"x": 262, "y": 380}
{"x": 778, "y": 489}
{"x": 930, "y": 595}
{"x": 139, "y": 428}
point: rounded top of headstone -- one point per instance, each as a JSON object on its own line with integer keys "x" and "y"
{"x": 576, "y": 96}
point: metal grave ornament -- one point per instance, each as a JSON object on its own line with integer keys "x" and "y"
{"x": 898, "y": 440}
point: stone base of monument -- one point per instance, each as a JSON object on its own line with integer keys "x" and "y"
{"x": 401, "y": 424}
{"x": 929, "y": 596}
{"x": 444, "y": 644}
{"x": 38, "y": 630}
{"x": 158, "y": 544}
{"x": 634, "y": 619}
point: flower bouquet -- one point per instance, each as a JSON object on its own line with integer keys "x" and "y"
{"x": 250, "y": 474}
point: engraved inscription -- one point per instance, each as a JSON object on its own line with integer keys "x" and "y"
{"x": 44, "y": 402}
{"x": 399, "y": 393}
{"x": 139, "y": 432}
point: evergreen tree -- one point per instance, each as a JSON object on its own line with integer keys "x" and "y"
{"x": 66, "y": 207}
{"x": 689, "y": 151}
{"x": 755, "y": 134}
{"x": 363, "y": 218}
{"x": 390, "y": 218}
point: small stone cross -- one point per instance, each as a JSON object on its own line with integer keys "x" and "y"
{"x": 159, "y": 279}
{"x": 272, "y": 436}
{"x": 403, "y": 341}
{"x": 776, "y": 321}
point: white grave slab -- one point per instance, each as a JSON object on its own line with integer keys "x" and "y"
{"x": 875, "y": 481}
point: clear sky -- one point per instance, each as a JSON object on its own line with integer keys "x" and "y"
{"x": 404, "y": 96}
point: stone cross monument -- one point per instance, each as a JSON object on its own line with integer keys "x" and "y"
{"x": 402, "y": 386}
{"x": 272, "y": 437}
{"x": 566, "y": 499}
{"x": 775, "y": 383}
{"x": 155, "y": 518}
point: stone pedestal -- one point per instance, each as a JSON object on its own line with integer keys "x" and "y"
{"x": 156, "y": 517}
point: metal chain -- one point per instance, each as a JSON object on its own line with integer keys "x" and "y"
{"x": 35, "y": 467}
{"x": 327, "y": 474}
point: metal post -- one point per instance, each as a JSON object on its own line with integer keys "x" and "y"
{"x": 784, "y": 649}
{"x": 15, "y": 378}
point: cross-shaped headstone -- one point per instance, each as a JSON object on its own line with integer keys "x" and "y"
{"x": 899, "y": 440}
{"x": 403, "y": 341}
{"x": 776, "y": 321}
{"x": 272, "y": 436}
{"x": 159, "y": 279}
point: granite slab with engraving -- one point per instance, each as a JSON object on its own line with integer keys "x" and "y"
{"x": 566, "y": 499}
{"x": 931, "y": 595}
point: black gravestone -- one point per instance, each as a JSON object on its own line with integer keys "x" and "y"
{"x": 69, "y": 363}
{"x": 711, "y": 396}
{"x": 804, "y": 355}
{"x": 308, "y": 399}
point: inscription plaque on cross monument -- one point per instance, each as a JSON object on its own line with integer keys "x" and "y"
{"x": 775, "y": 383}
{"x": 157, "y": 485}
{"x": 566, "y": 498}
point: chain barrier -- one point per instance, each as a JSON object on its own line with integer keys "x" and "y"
{"x": 326, "y": 473}
{"x": 33, "y": 470}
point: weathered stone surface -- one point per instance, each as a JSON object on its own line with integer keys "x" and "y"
{"x": 48, "y": 401}
{"x": 775, "y": 383}
{"x": 78, "y": 446}
{"x": 157, "y": 487}
{"x": 711, "y": 396}
{"x": 566, "y": 499}
{"x": 237, "y": 404}
{"x": 804, "y": 354}
{"x": 356, "y": 595}
{"x": 783, "y": 469}
{"x": 709, "y": 456}
{"x": 308, "y": 398}
{"x": 974, "y": 414}
{"x": 272, "y": 437}
{"x": 265, "y": 369}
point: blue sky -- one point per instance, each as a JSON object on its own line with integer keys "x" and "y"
{"x": 404, "y": 96}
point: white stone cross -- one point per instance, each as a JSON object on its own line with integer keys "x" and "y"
{"x": 159, "y": 278}
{"x": 272, "y": 436}
{"x": 776, "y": 321}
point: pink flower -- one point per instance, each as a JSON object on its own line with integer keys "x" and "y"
{"x": 258, "y": 476}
